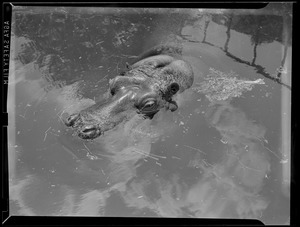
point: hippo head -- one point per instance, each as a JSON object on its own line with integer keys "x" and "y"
{"x": 145, "y": 88}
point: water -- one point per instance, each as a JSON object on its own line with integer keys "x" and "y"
{"x": 207, "y": 159}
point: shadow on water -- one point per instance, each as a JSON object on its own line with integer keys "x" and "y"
{"x": 207, "y": 159}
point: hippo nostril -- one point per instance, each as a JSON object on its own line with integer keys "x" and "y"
{"x": 89, "y": 132}
{"x": 71, "y": 120}
{"x": 88, "y": 129}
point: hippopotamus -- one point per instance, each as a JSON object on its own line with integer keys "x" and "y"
{"x": 145, "y": 87}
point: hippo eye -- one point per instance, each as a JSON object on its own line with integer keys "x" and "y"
{"x": 174, "y": 87}
{"x": 149, "y": 106}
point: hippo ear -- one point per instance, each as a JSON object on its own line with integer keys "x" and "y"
{"x": 173, "y": 88}
{"x": 122, "y": 73}
{"x": 127, "y": 68}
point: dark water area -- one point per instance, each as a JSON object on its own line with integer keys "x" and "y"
{"x": 208, "y": 159}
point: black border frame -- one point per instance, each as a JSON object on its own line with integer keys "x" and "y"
{"x": 120, "y": 221}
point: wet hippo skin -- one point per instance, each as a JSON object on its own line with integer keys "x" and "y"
{"x": 147, "y": 86}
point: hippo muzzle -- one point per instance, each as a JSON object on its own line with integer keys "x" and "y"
{"x": 145, "y": 88}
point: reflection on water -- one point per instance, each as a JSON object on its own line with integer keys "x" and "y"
{"x": 218, "y": 155}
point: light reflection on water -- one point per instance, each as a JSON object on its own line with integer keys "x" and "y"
{"x": 204, "y": 160}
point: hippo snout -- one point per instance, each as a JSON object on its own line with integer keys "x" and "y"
{"x": 83, "y": 130}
